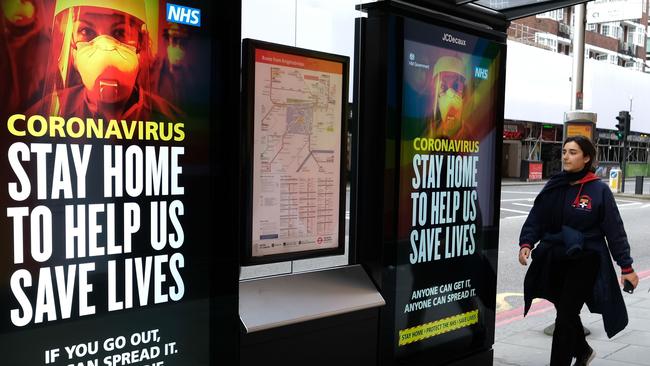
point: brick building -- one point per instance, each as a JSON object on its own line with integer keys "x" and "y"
{"x": 615, "y": 31}
{"x": 615, "y": 34}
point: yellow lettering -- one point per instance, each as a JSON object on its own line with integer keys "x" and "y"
{"x": 31, "y": 128}
{"x": 11, "y": 124}
{"x": 56, "y": 126}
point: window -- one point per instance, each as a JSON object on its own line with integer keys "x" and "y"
{"x": 592, "y": 27}
{"x": 636, "y": 36}
{"x": 612, "y": 30}
{"x": 613, "y": 59}
{"x": 553, "y": 14}
{"x": 498, "y": 4}
{"x": 640, "y": 36}
{"x": 546, "y": 40}
{"x": 631, "y": 64}
{"x": 565, "y": 28}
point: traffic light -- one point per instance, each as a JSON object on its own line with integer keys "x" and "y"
{"x": 623, "y": 125}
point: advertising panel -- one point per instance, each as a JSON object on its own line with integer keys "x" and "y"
{"x": 531, "y": 170}
{"x": 450, "y": 111}
{"x": 579, "y": 129}
{"x": 296, "y": 109}
{"x": 105, "y": 147}
{"x": 535, "y": 170}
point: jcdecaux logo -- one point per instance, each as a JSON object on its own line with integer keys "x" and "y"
{"x": 183, "y": 15}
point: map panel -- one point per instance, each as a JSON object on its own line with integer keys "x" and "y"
{"x": 297, "y": 153}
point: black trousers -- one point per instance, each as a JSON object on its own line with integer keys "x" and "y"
{"x": 572, "y": 281}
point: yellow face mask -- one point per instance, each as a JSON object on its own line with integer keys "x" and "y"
{"x": 451, "y": 104}
{"x": 451, "y": 86}
{"x": 108, "y": 68}
{"x": 451, "y": 108}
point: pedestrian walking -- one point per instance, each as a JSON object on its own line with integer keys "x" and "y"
{"x": 579, "y": 229}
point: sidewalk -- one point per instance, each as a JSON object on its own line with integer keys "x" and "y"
{"x": 521, "y": 341}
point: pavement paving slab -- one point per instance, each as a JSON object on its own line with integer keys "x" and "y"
{"x": 522, "y": 342}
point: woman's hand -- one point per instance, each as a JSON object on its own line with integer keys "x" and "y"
{"x": 632, "y": 277}
{"x": 524, "y": 253}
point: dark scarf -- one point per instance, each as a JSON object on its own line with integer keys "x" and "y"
{"x": 552, "y": 197}
{"x": 564, "y": 178}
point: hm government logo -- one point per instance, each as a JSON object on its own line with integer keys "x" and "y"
{"x": 451, "y": 39}
{"x": 414, "y": 63}
{"x": 183, "y": 15}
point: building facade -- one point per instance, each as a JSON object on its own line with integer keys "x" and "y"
{"x": 611, "y": 35}
{"x": 616, "y": 35}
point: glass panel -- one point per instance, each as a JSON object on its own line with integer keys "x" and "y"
{"x": 319, "y": 25}
{"x": 506, "y": 4}
{"x": 553, "y": 14}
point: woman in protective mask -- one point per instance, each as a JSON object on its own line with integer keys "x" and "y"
{"x": 101, "y": 53}
{"x": 174, "y": 75}
{"x": 449, "y": 88}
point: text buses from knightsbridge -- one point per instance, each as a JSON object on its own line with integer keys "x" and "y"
{"x": 75, "y": 127}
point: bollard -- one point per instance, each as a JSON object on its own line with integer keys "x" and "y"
{"x": 638, "y": 185}
{"x": 615, "y": 179}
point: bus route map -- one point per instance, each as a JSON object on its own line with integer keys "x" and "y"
{"x": 297, "y": 149}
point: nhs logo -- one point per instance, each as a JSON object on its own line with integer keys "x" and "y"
{"x": 183, "y": 15}
{"x": 480, "y": 73}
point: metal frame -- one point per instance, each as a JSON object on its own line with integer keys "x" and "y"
{"x": 638, "y": 149}
{"x": 248, "y": 99}
{"x": 483, "y": 18}
{"x": 536, "y": 8}
{"x": 470, "y": 10}
{"x": 378, "y": 140}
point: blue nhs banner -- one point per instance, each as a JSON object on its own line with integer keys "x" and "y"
{"x": 481, "y": 73}
{"x": 183, "y": 15}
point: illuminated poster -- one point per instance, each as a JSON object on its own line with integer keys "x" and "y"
{"x": 535, "y": 171}
{"x": 104, "y": 255}
{"x": 579, "y": 129}
{"x": 445, "y": 284}
{"x": 297, "y": 115}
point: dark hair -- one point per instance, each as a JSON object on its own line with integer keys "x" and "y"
{"x": 587, "y": 147}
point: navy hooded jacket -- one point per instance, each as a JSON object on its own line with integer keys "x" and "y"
{"x": 589, "y": 208}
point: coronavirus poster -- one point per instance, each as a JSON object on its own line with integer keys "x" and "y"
{"x": 104, "y": 146}
{"x": 446, "y": 191}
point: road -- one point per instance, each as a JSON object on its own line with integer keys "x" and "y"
{"x": 516, "y": 202}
